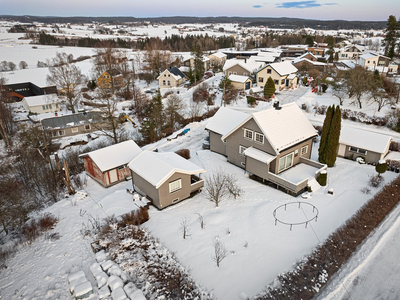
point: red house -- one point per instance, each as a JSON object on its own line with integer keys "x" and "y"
{"x": 109, "y": 165}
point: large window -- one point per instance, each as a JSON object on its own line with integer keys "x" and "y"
{"x": 175, "y": 185}
{"x": 285, "y": 162}
{"x": 260, "y": 79}
{"x": 358, "y": 150}
{"x": 248, "y": 134}
{"x": 74, "y": 129}
{"x": 259, "y": 137}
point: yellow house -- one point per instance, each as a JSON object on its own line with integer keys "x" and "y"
{"x": 217, "y": 59}
{"x": 171, "y": 77}
{"x": 111, "y": 79}
{"x": 240, "y": 82}
{"x": 283, "y": 74}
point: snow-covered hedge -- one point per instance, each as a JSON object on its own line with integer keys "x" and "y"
{"x": 149, "y": 264}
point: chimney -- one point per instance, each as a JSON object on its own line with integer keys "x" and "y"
{"x": 276, "y": 105}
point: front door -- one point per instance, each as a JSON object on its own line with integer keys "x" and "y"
{"x": 247, "y": 85}
{"x": 113, "y": 176}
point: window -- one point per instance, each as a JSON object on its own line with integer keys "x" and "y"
{"x": 54, "y": 133}
{"x": 47, "y": 106}
{"x": 74, "y": 129}
{"x": 169, "y": 75}
{"x": 248, "y": 134}
{"x": 56, "y": 105}
{"x": 230, "y": 73}
{"x": 61, "y": 132}
{"x": 87, "y": 126}
{"x": 244, "y": 74}
{"x": 234, "y": 73}
{"x": 165, "y": 75}
{"x": 304, "y": 150}
{"x": 169, "y": 82}
{"x": 50, "y": 106}
{"x": 259, "y": 137}
{"x": 268, "y": 71}
{"x": 163, "y": 82}
{"x": 358, "y": 150}
{"x": 276, "y": 81}
{"x": 43, "y": 107}
{"x": 283, "y": 81}
{"x": 242, "y": 149}
{"x": 285, "y": 162}
{"x": 175, "y": 185}
{"x": 260, "y": 79}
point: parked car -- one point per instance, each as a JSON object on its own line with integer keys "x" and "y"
{"x": 206, "y": 143}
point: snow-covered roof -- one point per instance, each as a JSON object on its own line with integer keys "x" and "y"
{"x": 238, "y": 78}
{"x": 41, "y": 100}
{"x": 175, "y": 73}
{"x": 218, "y": 54}
{"x": 369, "y": 55}
{"x": 157, "y": 167}
{"x": 282, "y": 127}
{"x": 248, "y": 65}
{"x": 71, "y": 120}
{"x": 315, "y": 63}
{"x": 364, "y": 139}
{"x": 259, "y": 155}
{"x": 291, "y": 76}
{"x": 282, "y": 68}
{"x": 225, "y": 120}
{"x": 114, "y": 156}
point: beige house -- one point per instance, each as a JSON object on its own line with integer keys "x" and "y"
{"x": 351, "y": 52}
{"x": 242, "y": 67}
{"x": 240, "y": 82}
{"x": 42, "y": 104}
{"x": 189, "y": 62}
{"x": 165, "y": 178}
{"x": 284, "y": 75}
{"x": 171, "y": 77}
{"x": 217, "y": 59}
{"x": 373, "y": 61}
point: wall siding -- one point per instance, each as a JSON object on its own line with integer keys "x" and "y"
{"x": 94, "y": 171}
{"x": 216, "y": 144}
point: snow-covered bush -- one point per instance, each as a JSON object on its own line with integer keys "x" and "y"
{"x": 149, "y": 265}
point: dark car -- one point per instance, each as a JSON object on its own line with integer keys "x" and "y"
{"x": 206, "y": 143}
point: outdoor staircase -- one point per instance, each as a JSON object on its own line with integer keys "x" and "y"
{"x": 314, "y": 185}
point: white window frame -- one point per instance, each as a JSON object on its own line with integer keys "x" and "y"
{"x": 258, "y": 135}
{"x": 358, "y": 150}
{"x": 163, "y": 82}
{"x": 304, "y": 150}
{"x": 74, "y": 129}
{"x": 248, "y": 131}
{"x": 285, "y": 163}
{"x": 175, "y": 185}
{"x": 242, "y": 149}
{"x": 61, "y": 132}
{"x": 87, "y": 127}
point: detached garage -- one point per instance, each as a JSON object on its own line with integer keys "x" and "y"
{"x": 357, "y": 142}
{"x": 109, "y": 165}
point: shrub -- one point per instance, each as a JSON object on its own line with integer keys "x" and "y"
{"x": 135, "y": 217}
{"x": 321, "y": 110}
{"x": 185, "y": 153}
{"x": 381, "y": 167}
{"x": 376, "y": 180}
{"x": 251, "y": 100}
{"x": 322, "y": 178}
{"x": 394, "y": 146}
{"x": 47, "y": 221}
{"x": 86, "y": 96}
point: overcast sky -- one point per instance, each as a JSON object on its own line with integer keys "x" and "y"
{"x": 364, "y": 10}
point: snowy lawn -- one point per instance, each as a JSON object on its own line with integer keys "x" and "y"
{"x": 258, "y": 250}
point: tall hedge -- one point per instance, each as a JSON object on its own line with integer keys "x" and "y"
{"x": 324, "y": 134}
{"x": 330, "y": 136}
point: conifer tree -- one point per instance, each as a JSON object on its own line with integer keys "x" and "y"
{"x": 391, "y": 32}
{"x": 332, "y": 142}
{"x": 153, "y": 123}
{"x": 269, "y": 88}
{"x": 324, "y": 134}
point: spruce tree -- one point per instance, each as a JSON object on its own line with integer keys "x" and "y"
{"x": 391, "y": 32}
{"x": 332, "y": 142}
{"x": 269, "y": 88}
{"x": 324, "y": 134}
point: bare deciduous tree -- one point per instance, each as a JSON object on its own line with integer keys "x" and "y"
{"x": 195, "y": 109}
{"x": 67, "y": 77}
{"x": 11, "y": 66}
{"x": 358, "y": 81}
{"x": 220, "y": 251}
{"x": 219, "y": 184}
{"x": 23, "y": 65}
{"x": 185, "y": 228}
{"x": 339, "y": 90}
{"x": 201, "y": 221}
{"x": 173, "y": 110}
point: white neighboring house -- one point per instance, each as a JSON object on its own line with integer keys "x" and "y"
{"x": 42, "y": 104}
{"x": 357, "y": 142}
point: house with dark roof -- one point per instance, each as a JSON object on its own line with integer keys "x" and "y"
{"x": 72, "y": 124}
{"x": 17, "y": 91}
{"x": 172, "y": 77}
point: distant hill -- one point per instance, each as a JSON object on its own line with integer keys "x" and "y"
{"x": 289, "y": 23}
